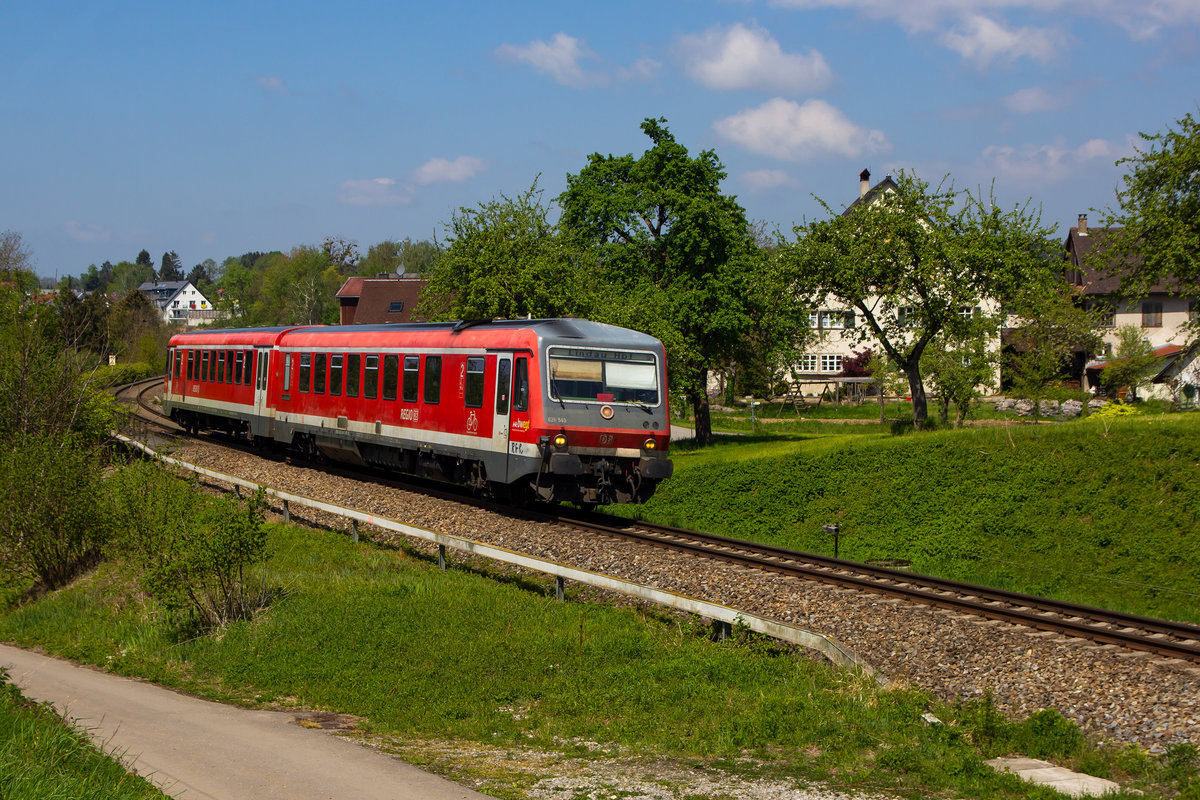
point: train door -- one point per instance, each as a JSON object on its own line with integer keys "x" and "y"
{"x": 264, "y": 417}
{"x": 503, "y": 409}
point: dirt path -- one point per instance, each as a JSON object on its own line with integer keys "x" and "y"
{"x": 193, "y": 748}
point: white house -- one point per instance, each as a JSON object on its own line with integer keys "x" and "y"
{"x": 179, "y": 302}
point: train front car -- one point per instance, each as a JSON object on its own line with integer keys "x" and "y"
{"x": 603, "y": 431}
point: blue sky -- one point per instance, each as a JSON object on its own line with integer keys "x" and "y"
{"x": 214, "y": 129}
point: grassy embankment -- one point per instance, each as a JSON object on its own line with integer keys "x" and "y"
{"x": 42, "y": 757}
{"x": 1099, "y": 511}
{"x": 425, "y": 656}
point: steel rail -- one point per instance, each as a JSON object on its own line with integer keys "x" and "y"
{"x": 1134, "y": 633}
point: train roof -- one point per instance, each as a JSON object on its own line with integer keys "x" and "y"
{"x": 565, "y": 330}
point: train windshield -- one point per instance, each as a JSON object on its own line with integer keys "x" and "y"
{"x": 603, "y": 376}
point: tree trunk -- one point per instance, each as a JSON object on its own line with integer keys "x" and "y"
{"x": 917, "y": 390}
{"x": 701, "y": 412}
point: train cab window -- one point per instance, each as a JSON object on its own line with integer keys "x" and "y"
{"x": 503, "y": 384}
{"x": 412, "y": 374}
{"x": 371, "y": 377}
{"x": 391, "y": 375}
{"x": 521, "y": 385}
{"x": 220, "y": 367}
{"x": 335, "y": 374}
{"x": 474, "y": 393}
{"x": 176, "y": 361}
{"x": 433, "y": 379}
{"x": 305, "y": 371}
{"x": 239, "y": 361}
{"x": 319, "y": 373}
{"x": 353, "y": 368}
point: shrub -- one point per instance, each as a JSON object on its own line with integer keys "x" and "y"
{"x": 197, "y": 553}
{"x": 52, "y": 521}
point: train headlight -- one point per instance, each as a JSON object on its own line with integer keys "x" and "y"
{"x": 560, "y": 440}
{"x": 650, "y": 445}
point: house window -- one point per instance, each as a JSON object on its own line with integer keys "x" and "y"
{"x": 831, "y": 363}
{"x": 412, "y": 373}
{"x": 906, "y": 316}
{"x": 809, "y": 363}
{"x": 814, "y": 319}
{"x": 832, "y": 320}
{"x": 1152, "y": 314}
{"x": 395, "y": 307}
{"x": 967, "y": 312}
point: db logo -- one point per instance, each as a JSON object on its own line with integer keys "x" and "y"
{"x": 472, "y": 423}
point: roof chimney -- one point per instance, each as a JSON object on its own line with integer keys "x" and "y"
{"x": 864, "y": 182}
{"x": 1082, "y": 225}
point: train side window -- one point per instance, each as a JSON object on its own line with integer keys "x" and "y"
{"x": 191, "y": 365}
{"x": 287, "y": 371}
{"x": 474, "y": 393}
{"x": 412, "y": 374}
{"x": 204, "y": 365}
{"x": 220, "y": 366}
{"x": 371, "y": 378}
{"x": 391, "y": 375}
{"x": 239, "y": 361}
{"x": 305, "y": 371}
{"x": 503, "y": 385}
{"x": 176, "y": 361}
{"x": 521, "y": 385}
{"x": 433, "y": 379}
{"x": 249, "y": 375}
{"x": 335, "y": 374}
{"x": 229, "y": 366}
{"x": 319, "y": 373}
{"x": 353, "y": 368}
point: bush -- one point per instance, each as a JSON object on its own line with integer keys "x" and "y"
{"x": 196, "y": 553}
{"x": 53, "y": 522}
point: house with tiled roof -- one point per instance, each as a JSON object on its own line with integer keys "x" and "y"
{"x": 1161, "y": 314}
{"x": 382, "y": 299}
{"x": 179, "y": 302}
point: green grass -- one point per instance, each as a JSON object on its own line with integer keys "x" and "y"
{"x": 1099, "y": 511}
{"x": 425, "y": 655}
{"x": 42, "y": 757}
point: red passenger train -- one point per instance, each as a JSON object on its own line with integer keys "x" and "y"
{"x": 556, "y": 409}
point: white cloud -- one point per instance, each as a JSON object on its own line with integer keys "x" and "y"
{"x": 87, "y": 232}
{"x": 741, "y": 57}
{"x": 785, "y": 130}
{"x": 644, "y": 69}
{"x": 271, "y": 84}
{"x": 439, "y": 170}
{"x": 982, "y": 41}
{"x": 1031, "y": 101}
{"x": 762, "y": 179}
{"x": 560, "y": 59}
{"x": 1048, "y": 163}
{"x": 373, "y": 192}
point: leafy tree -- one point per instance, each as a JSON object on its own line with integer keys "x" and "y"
{"x": 1132, "y": 364}
{"x": 342, "y": 254}
{"x": 1052, "y": 327}
{"x": 203, "y": 275}
{"x": 678, "y": 259}
{"x": 127, "y": 277}
{"x": 1159, "y": 212}
{"x": 170, "y": 268}
{"x": 960, "y": 371}
{"x": 15, "y": 257}
{"x": 416, "y": 258}
{"x": 919, "y": 263}
{"x": 885, "y": 378}
{"x": 136, "y": 330}
{"x": 505, "y": 260}
{"x": 143, "y": 260}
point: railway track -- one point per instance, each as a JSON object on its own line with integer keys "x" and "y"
{"x": 1161, "y": 637}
